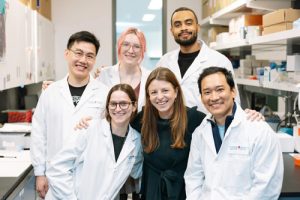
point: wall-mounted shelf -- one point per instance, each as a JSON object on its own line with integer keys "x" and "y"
{"x": 235, "y": 9}
{"x": 234, "y": 44}
{"x": 283, "y": 86}
{"x": 273, "y": 38}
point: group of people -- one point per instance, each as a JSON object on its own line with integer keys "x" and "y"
{"x": 164, "y": 135}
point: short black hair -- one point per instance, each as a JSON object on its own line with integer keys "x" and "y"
{"x": 213, "y": 70}
{"x": 84, "y": 36}
{"x": 184, "y": 9}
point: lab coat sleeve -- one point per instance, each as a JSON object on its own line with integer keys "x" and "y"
{"x": 194, "y": 174}
{"x": 136, "y": 171}
{"x": 267, "y": 166}
{"x": 61, "y": 169}
{"x": 38, "y": 137}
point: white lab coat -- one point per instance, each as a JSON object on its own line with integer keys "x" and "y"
{"x": 189, "y": 83}
{"x": 56, "y": 116}
{"x": 248, "y": 166}
{"x": 109, "y": 76}
{"x": 86, "y": 168}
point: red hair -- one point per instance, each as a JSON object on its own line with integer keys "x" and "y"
{"x": 140, "y": 35}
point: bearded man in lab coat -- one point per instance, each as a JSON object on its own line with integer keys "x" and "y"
{"x": 230, "y": 156}
{"x": 64, "y": 103}
{"x": 192, "y": 57}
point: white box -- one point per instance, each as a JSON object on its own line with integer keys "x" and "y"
{"x": 286, "y": 142}
{"x": 293, "y": 63}
{"x": 296, "y": 133}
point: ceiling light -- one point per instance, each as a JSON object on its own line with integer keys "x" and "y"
{"x": 155, "y": 5}
{"x": 148, "y": 17}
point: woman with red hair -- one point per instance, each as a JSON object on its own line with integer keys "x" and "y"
{"x": 131, "y": 48}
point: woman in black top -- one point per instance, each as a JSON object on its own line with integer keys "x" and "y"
{"x": 166, "y": 126}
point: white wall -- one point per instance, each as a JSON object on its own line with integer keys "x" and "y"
{"x": 70, "y": 16}
{"x": 173, "y": 5}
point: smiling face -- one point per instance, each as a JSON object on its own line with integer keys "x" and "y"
{"x": 162, "y": 95}
{"x": 184, "y": 28}
{"x": 81, "y": 58}
{"x": 131, "y": 49}
{"x": 217, "y": 96}
{"x": 120, "y": 108}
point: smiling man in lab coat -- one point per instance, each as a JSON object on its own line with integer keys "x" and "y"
{"x": 231, "y": 157}
{"x": 192, "y": 57}
{"x": 64, "y": 103}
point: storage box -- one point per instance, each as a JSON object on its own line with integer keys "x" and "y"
{"x": 293, "y": 63}
{"x": 32, "y": 4}
{"x": 205, "y": 8}
{"x": 286, "y": 142}
{"x": 277, "y": 28}
{"x": 214, "y": 31}
{"x": 281, "y": 16}
{"x": 25, "y": 2}
{"x": 44, "y": 8}
{"x": 251, "y": 20}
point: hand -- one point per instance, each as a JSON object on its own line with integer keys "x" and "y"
{"x": 42, "y": 186}
{"x": 46, "y": 84}
{"x": 98, "y": 71}
{"x": 83, "y": 123}
{"x": 253, "y": 115}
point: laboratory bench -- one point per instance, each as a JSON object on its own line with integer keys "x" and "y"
{"x": 17, "y": 180}
{"x": 291, "y": 180}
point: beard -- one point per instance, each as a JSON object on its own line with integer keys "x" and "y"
{"x": 188, "y": 42}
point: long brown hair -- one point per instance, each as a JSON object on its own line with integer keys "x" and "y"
{"x": 178, "y": 120}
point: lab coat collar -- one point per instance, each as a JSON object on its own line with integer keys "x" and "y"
{"x": 199, "y": 60}
{"x": 128, "y": 146}
{"x": 87, "y": 94}
{"x": 239, "y": 116}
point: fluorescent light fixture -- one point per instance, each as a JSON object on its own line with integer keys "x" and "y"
{"x": 155, "y": 5}
{"x": 148, "y": 17}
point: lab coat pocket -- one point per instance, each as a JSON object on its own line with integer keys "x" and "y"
{"x": 236, "y": 173}
{"x": 95, "y": 107}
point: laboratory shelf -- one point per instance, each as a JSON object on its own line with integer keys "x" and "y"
{"x": 238, "y": 7}
{"x": 273, "y": 38}
{"x": 293, "y": 34}
{"x": 282, "y": 86}
{"x": 232, "y": 44}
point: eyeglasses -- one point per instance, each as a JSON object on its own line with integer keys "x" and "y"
{"x": 80, "y": 54}
{"x": 124, "y": 105}
{"x": 135, "y": 47}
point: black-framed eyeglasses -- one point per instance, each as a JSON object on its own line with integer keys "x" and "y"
{"x": 135, "y": 47}
{"x": 80, "y": 54}
{"x": 124, "y": 105}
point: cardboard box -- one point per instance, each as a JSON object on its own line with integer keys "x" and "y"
{"x": 252, "y": 20}
{"x": 25, "y": 2}
{"x": 44, "y": 8}
{"x": 205, "y": 8}
{"x": 32, "y": 4}
{"x": 281, "y": 16}
{"x": 277, "y": 28}
{"x": 214, "y": 31}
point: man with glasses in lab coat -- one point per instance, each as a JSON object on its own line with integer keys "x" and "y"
{"x": 64, "y": 103}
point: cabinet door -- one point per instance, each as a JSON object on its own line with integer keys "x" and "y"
{"x": 15, "y": 57}
{"x": 44, "y": 49}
